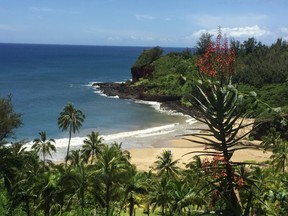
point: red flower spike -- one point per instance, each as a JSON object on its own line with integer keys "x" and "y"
{"x": 218, "y": 59}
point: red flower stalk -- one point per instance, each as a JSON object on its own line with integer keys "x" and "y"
{"x": 218, "y": 59}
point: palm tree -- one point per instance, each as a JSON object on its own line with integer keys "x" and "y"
{"x": 111, "y": 169}
{"x": 75, "y": 182}
{"x": 133, "y": 187}
{"x": 74, "y": 158}
{"x": 44, "y": 146}
{"x": 160, "y": 194}
{"x": 27, "y": 190}
{"x": 165, "y": 165}
{"x": 49, "y": 188}
{"x": 10, "y": 164}
{"x": 280, "y": 155}
{"x": 70, "y": 119}
{"x": 92, "y": 146}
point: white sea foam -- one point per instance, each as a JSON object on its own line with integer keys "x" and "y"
{"x": 154, "y": 104}
{"x": 90, "y": 84}
{"x": 191, "y": 121}
{"x": 130, "y": 139}
{"x": 62, "y": 142}
{"x": 141, "y": 133}
{"x": 78, "y": 141}
{"x": 100, "y": 92}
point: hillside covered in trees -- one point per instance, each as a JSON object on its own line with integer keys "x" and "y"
{"x": 258, "y": 67}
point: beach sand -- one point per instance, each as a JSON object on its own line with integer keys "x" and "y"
{"x": 144, "y": 158}
{"x": 145, "y": 149}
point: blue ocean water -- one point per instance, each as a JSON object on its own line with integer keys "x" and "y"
{"x": 44, "y": 78}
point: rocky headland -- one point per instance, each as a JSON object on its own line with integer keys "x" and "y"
{"x": 128, "y": 91}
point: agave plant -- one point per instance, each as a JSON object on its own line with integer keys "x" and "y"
{"x": 222, "y": 109}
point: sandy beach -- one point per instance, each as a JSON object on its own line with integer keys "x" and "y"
{"x": 144, "y": 158}
{"x": 145, "y": 149}
{"x": 145, "y": 145}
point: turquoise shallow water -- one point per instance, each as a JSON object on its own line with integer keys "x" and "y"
{"x": 44, "y": 78}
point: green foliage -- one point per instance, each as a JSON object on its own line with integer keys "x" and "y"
{"x": 171, "y": 76}
{"x": 259, "y": 68}
{"x": 203, "y": 43}
{"x": 70, "y": 119}
{"x": 112, "y": 185}
{"x": 3, "y": 201}
{"x": 44, "y": 146}
{"x": 148, "y": 56}
{"x": 9, "y": 119}
{"x": 258, "y": 65}
{"x": 275, "y": 95}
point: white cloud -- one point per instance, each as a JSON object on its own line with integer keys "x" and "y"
{"x": 237, "y": 32}
{"x": 142, "y": 17}
{"x": 210, "y": 21}
{"x": 248, "y": 31}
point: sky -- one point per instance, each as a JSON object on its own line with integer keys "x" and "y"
{"x": 165, "y": 23}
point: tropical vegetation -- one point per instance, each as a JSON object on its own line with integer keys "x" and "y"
{"x": 99, "y": 178}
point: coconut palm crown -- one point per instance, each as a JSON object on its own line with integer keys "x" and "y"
{"x": 43, "y": 146}
{"x": 70, "y": 119}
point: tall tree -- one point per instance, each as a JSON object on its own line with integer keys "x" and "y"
{"x": 203, "y": 43}
{"x": 92, "y": 146}
{"x": 166, "y": 166}
{"x": 24, "y": 194}
{"x": 160, "y": 194}
{"x": 9, "y": 119}
{"x": 133, "y": 187}
{"x": 43, "y": 146}
{"x": 111, "y": 169}
{"x": 74, "y": 158}
{"x": 75, "y": 182}
{"x": 70, "y": 119}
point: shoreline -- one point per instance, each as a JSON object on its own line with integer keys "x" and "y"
{"x": 136, "y": 93}
{"x": 144, "y": 157}
{"x": 145, "y": 145}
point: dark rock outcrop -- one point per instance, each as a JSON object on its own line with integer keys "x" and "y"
{"x": 127, "y": 91}
{"x": 141, "y": 72}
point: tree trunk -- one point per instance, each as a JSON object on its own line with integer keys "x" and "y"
{"x": 82, "y": 200}
{"x": 131, "y": 205}
{"x": 47, "y": 207}
{"x": 68, "y": 148}
{"x": 107, "y": 199}
{"x": 162, "y": 209}
{"x": 27, "y": 206}
{"x": 230, "y": 196}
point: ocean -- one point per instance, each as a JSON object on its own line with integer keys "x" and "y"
{"x": 42, "y": 79}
